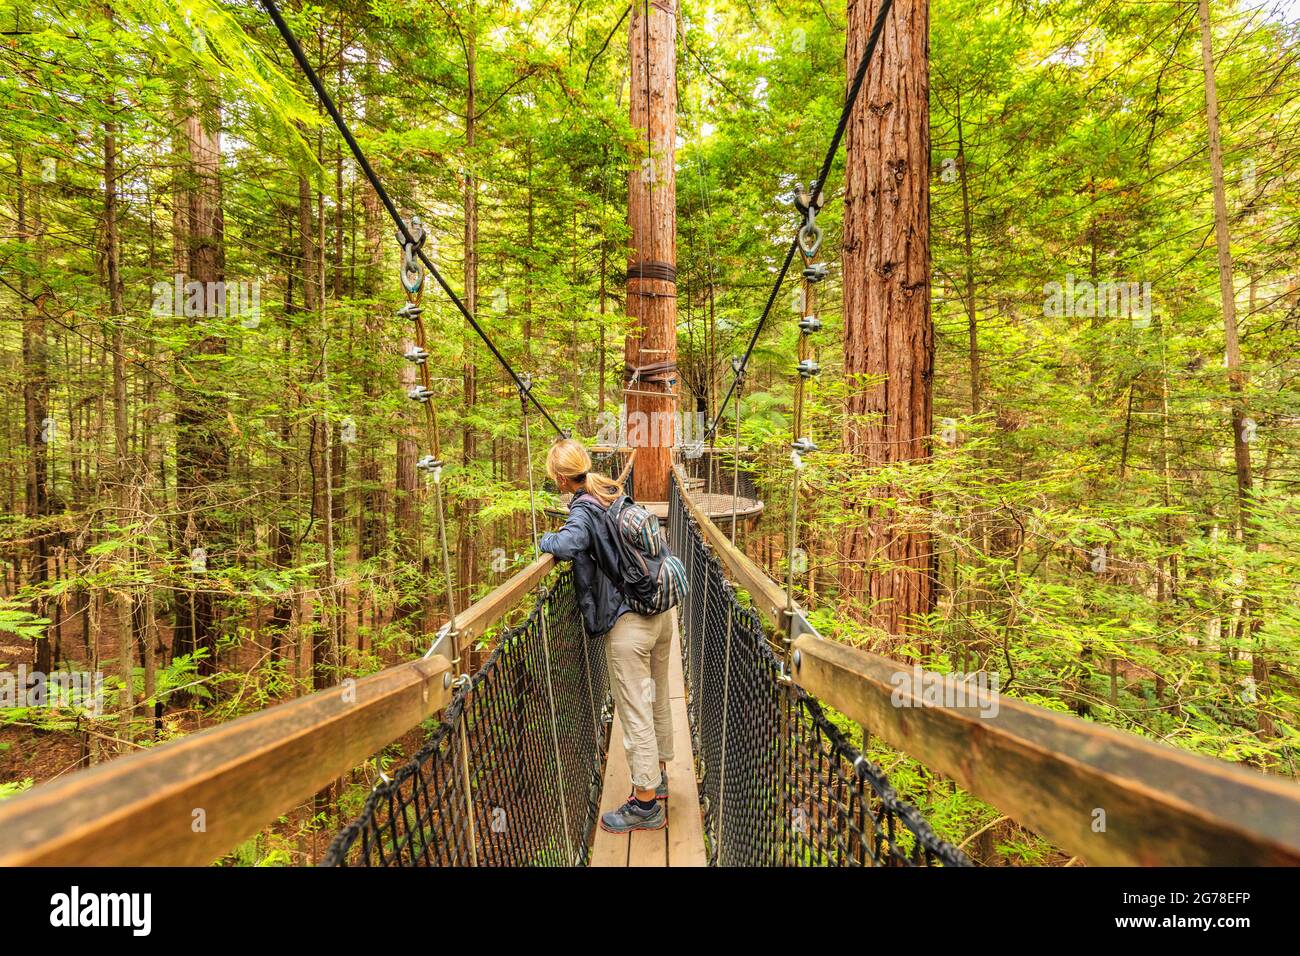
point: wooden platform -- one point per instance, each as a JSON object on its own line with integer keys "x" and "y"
{"x": 681, "y": 843}
{"x": 717, "y": 507}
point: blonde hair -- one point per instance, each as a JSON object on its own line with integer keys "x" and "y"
{"x": 570, "y": 459}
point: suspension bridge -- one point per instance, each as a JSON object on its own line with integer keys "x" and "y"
{"x": 527, "y": 754}
{"x": 527, "y": 750}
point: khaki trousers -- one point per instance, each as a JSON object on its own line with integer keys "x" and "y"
{"x": 638, "y": 649}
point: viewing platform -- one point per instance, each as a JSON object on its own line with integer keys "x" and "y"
{"x": 713, "y": 497}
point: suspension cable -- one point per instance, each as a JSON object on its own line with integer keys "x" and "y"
{"x": 816, "y": 191}
{"x": 405, "y": 235}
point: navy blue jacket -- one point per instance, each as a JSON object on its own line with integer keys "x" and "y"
{"x": 585, "y": 540}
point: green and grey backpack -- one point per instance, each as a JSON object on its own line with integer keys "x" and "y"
{"x": 653, "y": 578}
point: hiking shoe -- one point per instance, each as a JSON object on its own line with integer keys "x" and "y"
{"x": 661, "y": 789}
{"x": 631, "y": 817}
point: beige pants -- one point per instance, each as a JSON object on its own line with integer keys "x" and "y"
{"x": 638, "y": 652}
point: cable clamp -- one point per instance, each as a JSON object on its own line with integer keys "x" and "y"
{"x": 810, "y": 324}
{"x": 815, "y": 272}
{"x": 802, "y": 447}
{"x": 432, "y": 467}
{"x": 419, "y": 393}
{"x": 416, "y": 355}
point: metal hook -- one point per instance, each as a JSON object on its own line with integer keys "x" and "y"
{"x": 810, "y": 238}
{"x": 809, "y": 201}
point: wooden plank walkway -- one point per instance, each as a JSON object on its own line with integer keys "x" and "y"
{"x": 681, "y": 843}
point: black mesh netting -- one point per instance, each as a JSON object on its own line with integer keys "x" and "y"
{"x": 781, "y": 785}
{"x": 524, "y": 812}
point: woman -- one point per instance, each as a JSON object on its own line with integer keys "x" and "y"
{"x": 637, "y": 645}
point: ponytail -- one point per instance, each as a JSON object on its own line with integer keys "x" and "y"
{"x": 570, "y": 459}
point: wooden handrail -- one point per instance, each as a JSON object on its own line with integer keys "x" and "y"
{"x": 472, "y": 622}
{"x": 187, "y": 802}
{"x": 1109, "y": 797}
{"x": 768, "y": 596}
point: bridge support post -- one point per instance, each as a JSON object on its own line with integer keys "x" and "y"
{"x": 650, "y": 349}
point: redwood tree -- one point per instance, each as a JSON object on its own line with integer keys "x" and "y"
{"x": 888, "y": 336}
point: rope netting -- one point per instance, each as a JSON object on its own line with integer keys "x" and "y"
{"x": 533, "y": 782}
{"x": 781, "y": 785}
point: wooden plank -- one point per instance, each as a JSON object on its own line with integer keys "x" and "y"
{"x": 647, "y": 847}
{"x": 1053, "y": 772}
{"x": 610, "y": 849}
{"x": 685, "y": 824}
{"x": 188, "y": 802}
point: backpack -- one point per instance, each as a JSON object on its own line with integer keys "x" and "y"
{"x": 653, "y": 579}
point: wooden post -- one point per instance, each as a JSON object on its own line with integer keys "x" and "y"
{"x": 651, "y": 342}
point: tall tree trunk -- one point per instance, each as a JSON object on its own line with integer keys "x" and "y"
{"x": 968, "y": 296}
{"x": 652, "y": 252}
{"x": 201, "y": 450}
{"x": 370, "y": 478}
{"x": 887, "y": 327}
{"x": 37, "y": 434}
{"x": 465, "y": 547}
{"x": 124, "y": 476}
{"x": 1232, "y": 355}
